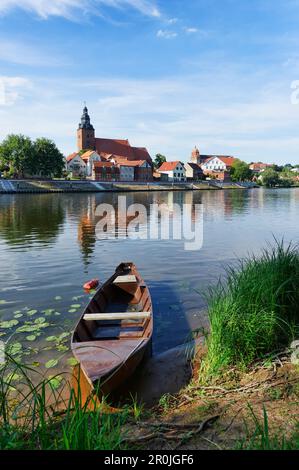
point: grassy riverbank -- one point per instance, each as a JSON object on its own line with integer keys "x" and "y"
{"x": 38, "y": 416}
{"x": 256, "y": 312}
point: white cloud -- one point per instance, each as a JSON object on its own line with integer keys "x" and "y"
{"x": 172, "y": 20}
{"x": 166, "y": 34}
{"x": 191, "y": 30}
{"x": 70, "y": 8}
{"x": 13, "y": 89}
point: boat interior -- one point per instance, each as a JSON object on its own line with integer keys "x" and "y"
{"x": 121, "y": 309}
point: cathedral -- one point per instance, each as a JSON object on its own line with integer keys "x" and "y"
{"x": 120, "y": 149}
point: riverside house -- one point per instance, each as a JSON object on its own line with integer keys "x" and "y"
{"x": 105, "y": 171}
{"x": 175, "y": 171}
{"x": 193, "y": 171}
{"x": 89, "y": 158}
{"x": 75, "y": 165}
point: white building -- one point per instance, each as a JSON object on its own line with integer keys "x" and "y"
{"x": 89, "y": 158}
{"x": 75, "y": 165}
{"x": 218, "y": 164}
{"x": 175, "y": 171}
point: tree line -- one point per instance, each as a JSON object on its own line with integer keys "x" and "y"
{"x": 21, "y": 157}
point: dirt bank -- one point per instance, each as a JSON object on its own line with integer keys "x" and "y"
{"x": 223, "y": 414}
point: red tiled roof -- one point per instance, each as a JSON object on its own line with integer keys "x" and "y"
{"x": 168, "y": 166}
{"x": 86, "y": 155}
{"x": 70, "y": 157}
{"x": 259, "y": 166}
{"x": 227, "y": 160}
{"x": 121, "y": 148}
{"x": 130, "y": 163}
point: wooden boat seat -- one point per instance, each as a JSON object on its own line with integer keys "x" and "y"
{"x": 117, "y": 316}
{"x": 128, "y": 278}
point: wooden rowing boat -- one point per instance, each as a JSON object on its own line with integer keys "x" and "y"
{"x": 113, "y": 334}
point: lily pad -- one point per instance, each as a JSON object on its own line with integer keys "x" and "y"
{"x": 18, "y": 315}
{"x": 72, "y": 310}
{"x": 62, "y": 347}
{"x": 40, "y": 320}
{"x": 58, "y": 297}
{"x": 51, "y": 338}
{"x": 72, "y": 361}
{"x": 76, "y": 306}
{"x": 55, "y": 381}
{"x": 12, "y": 377}
{"x": 31, "y": 312}
{"x": 8, "y": 324}
{"x": 63, "y": 336}
{"x": 32, "y": 328}
{"x": 14, "y": 349}
{"x": 51, "y": 363}
{"x": 31, "y": 337}
{"x": 3, "y": 302}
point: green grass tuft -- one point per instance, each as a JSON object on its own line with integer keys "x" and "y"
{"x": 38, "y": 417}
{"x": 262, "y": 439}
{"x": 256, "y": 312}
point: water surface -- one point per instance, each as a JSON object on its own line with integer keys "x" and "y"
{"x": 48, "y": 249}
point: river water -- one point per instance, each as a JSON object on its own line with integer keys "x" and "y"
{"x": 49, "y": 247}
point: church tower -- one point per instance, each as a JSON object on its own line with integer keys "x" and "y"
{"x": 195, "y": 155}
{"x": 86, "y": 133}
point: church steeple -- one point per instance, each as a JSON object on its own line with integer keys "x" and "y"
{"x": 85, "y": 120}
{"x": 86, "y": 132}
{"x": 195, "y": 155}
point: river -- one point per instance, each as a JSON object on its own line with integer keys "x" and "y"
{"x": 49, "y": 248}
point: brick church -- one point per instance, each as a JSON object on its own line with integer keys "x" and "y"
{"x": 119, "y": 149}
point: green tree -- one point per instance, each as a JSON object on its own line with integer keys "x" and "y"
{"x": 49, "y": 161}
{"x": 159, "y": 159}
{"x": 240, "y": 171}
{"x": 270, "y": 177}
{"x": 17, "y": 152}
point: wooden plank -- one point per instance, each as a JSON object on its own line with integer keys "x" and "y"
{"x": 116, "y": 316}
{"x": 125, "y": 279}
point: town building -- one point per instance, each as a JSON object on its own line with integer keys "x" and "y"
{"x": 89, "y": 158}
{"x": 194, "y": 171}
{"x": 223, "y": 176}
{"x": 259, "y": 167}
{"x": 76, "y": 165}
{"x": 217, "y": 163}
{"x": 212, "y": 163}
{"x": 105, "y": 171}
{"x": 175, "y": 171}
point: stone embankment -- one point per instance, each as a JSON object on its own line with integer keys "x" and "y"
{"x": 65, "y": 186}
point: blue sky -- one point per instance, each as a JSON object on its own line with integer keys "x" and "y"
{"x": 167, "y": 74}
